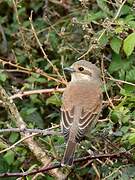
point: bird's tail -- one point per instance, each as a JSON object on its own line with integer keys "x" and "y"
{"x": 69, "y": 154}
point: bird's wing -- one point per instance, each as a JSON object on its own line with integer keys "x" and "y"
{"x": 81, "y": 106}
{"x": 66, "y": 121}
{"x": 86, "y": 120}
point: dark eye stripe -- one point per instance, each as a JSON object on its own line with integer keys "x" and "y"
{"x": 87, "y": 72}
{"x": 84, "y": 71}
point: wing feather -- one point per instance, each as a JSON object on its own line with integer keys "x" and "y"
{"x": 88, "y": 107}
{"x": 66, "y": 122}
{"x": 86, "y": 121}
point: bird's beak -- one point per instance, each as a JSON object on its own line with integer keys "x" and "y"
{"x": 69, "y": 69}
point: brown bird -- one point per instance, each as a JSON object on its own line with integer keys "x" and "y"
{"x": 81, "y": 105}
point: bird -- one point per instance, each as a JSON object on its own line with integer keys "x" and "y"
{"x": 81, "y": 105}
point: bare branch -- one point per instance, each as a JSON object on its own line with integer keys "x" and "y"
{"x": 42, "y": 50}
{"x": 120, "y": 81}
{"x": 15, "y": 144}
{"x": 39, "y": 153}
{"x": 30, "y": 71}
{"x": 44, "y": 132}
{"x": 58, "y": 165}
{"x": 104, "y": 82}
{"x": 40, "y": 91}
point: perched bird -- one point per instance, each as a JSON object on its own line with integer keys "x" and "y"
{"x": 81, "y": 105}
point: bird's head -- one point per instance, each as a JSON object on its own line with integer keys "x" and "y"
{"x": 83, "y": 70}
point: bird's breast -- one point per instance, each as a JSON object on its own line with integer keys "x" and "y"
{"x": 82, "y": 94}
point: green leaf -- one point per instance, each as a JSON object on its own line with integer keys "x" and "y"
{"x": 130, "y": 1}
{"x": 132, "y": 138}
{"x": 120, "y": 114}
{"x": 125, "y": 10}
{"x": 127, "y": 91}
{"x": 121, "y": 74}
{"x": 120, "y": 66}
{"x": 54, "y": 99}
{"x": 31, "y": 110}
{"x": 104, "y": 39}
{"x": 3, "y": 77}
{"x": 93, "y": 16}
{"x": 130, "y": 75}
{"x": 53, "y": 39}
{"x": 2, "y": 145}
{"x": 31, "y": 115}
{"x": 131, "y": 24}
{"x": 116, "y": 44}
{"x": 129, "y": 44}
{"x": 104, "y": 6}
{"x": 13, "y": 137}
{"x": 114, "y": 116}
{"x": 35, "y": 78}
{"x": 115, "y": 64}
{"x": 35, "y": 99}
{"x": 130, "y": 21}
{"x": 9, "y": 157}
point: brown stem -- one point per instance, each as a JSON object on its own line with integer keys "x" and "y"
{"x": 58, "y": 165}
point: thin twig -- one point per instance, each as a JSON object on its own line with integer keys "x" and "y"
{"x": 30, "y": 71}
{"x": 104, "y": 82}
{"x": 42, "y": 50}
{"x": 33, "y": 131}
{"x": 60, "y": 4}
{"x": 39, "y": 91}
{"x": 25, "y": 130}
{"x": 119, "y": 10}
{"x": 18, "y": 142}
{"x": 120, "y": 81}
{"x": 18, "y": 21}
{"x": 90, "y": 48}
{"x": 37, "y": 151}
{"x": 4, "y": 44}
{"x": 58, "y": 165}
{"x": 104, "y": 31}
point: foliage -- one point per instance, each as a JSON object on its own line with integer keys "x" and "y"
{"x": 99, "y": 31}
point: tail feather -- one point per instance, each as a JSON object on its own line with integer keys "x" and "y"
{"x": 69, "y": 154}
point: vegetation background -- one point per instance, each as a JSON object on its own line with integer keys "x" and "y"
{"x": 39, "y": 38}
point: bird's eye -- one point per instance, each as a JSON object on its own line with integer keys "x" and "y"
{"x": 81, "y": 68}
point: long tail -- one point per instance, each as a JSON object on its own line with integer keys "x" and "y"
{"x": 69, "y": 154}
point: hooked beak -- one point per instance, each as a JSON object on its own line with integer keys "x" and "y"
{"x": 69, "y": 69}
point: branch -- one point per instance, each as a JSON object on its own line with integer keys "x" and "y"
{"x": 39, "y": 153}
{"x": 40, "y": 91}
{"x": 120, "y": 81}
{"x": 28, "y": 70}
{"x": 18, "y": 142}
{"x": 34, "y": 132}
{"x": 44, "y": 132}
{"x": 104, "y": 83}
{"x": 58, "y": 165}
{"x": 101, "y": 156}
{"x": 42, "y": 50}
